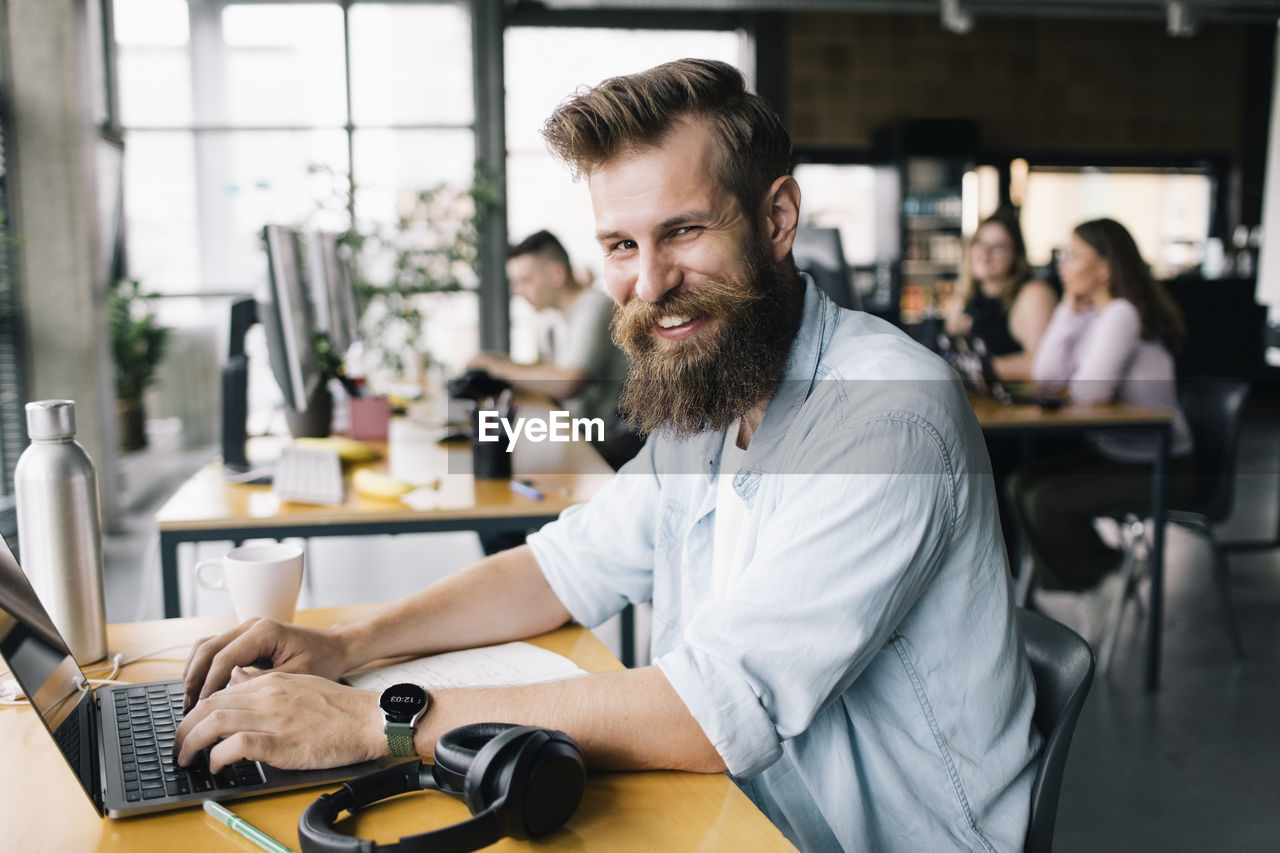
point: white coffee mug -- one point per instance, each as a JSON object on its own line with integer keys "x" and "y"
{"x": 263, "y": 579}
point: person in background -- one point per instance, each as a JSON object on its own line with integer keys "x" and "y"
{"x": 1111, "y": 339}
{"x": 578, "y": 363}
{"x": 998, "y": 300}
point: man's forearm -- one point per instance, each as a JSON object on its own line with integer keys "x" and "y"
{"x": 629, "y": 720}
{"x": 503, "y": 597}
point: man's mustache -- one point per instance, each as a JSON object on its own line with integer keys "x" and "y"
{"x": 633, "y": 322}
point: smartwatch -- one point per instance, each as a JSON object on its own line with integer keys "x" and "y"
{"x": 403, "y": 705}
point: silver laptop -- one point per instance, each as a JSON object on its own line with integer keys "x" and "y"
{"x": 118, "y": 739}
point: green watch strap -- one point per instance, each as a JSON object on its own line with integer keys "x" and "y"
{"x": 400, "y": 740}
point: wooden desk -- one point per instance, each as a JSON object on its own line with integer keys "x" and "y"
{"x": 1031, "y": 420}
{"x": 42, "y": 807}
{"x": 209, "y": 508}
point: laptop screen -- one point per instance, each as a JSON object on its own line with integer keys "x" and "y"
{"x": 37, "y": 657}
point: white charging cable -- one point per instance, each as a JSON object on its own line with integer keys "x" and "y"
{"x": 11, "y": 692}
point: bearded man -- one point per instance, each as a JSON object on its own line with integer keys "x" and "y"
{"x": 813, "y": 520}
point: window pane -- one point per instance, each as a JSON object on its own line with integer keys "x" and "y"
{"x": 283, "y": 66}
{"x": 1166, "y": 212}
{"x": 160, "y": 211}
{"x": 391, "y": 166}
{"x": 411, "y": 64}
{"x": 153, "y": 65}
{"x": 252, "y": 178}
{"x": 155, "y": 87}
{"x": 848, "y": 196}
{"x": 150, "y": 23}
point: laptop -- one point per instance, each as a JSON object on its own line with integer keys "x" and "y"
{"x": 118, "y": 739}
{"x": 968, "y": 356}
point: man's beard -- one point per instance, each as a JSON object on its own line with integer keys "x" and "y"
{"x": 707, "y": 381}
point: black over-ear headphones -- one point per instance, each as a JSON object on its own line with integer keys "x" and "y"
{"x": 516, "y": 780}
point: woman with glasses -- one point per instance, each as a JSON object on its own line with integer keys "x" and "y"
{"x": 999, "y": 301}
{"x": 1111, "y": 339}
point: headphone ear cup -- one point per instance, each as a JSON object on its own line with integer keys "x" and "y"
{"x": 537, "y": 775}
{"x": 456, "y": 750}
{"x": 490, "y": 775}
{"x": 554, "y": 785}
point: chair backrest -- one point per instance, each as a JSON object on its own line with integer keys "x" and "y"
{"x": 818, "y": 252}
{"x": 1213, "y": 408}
{"x": 1062, "y": 665}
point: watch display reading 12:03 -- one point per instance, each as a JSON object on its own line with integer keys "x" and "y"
{"x": 402, "y": 702}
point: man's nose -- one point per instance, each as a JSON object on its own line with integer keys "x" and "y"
{"x": 656, "y": 275}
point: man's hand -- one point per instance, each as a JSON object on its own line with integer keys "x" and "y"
{"x": 290, "y": 648}
{"x": 289, "y": 721}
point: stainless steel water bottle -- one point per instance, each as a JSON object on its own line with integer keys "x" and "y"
{"x": 60, "y": 528}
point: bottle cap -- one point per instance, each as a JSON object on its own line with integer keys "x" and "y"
{"x": 51, "y": 419}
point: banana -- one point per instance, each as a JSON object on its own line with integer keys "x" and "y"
{"x": 348, "y": 449}
{"x": 374, "y": 484}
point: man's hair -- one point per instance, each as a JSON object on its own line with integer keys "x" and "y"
{"x": 624, "y": 114}
{"x": 542, "y": 243}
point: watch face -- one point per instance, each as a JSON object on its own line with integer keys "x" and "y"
{"x": 401, "y": 702}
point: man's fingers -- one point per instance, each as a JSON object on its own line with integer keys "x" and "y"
{"x": 255, "y": 746}
{"x": 244, "y": 649}
{"x": 210, "y": 727}
{"x": 202, "y": 653}
{"x": 239, "y": 675}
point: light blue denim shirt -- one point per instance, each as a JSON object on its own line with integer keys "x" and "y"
{"x": 862, "y": 676}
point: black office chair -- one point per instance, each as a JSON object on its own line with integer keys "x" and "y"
{"x": 1062, "y": 665}
{"x": 1214, "y": 409}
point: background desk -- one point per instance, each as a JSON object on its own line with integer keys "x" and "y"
{"x": 1030, "y": 420}
{"x": 43, "y": 809}
{"x": 209, "y": 508}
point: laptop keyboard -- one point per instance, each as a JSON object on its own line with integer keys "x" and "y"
{"x": 147, "y": 717}
{"x": 308, "y": 475}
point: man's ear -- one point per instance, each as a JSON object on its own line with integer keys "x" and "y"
{"x": 781, "y": 208}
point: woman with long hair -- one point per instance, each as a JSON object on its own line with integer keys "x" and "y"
{"x": 998, "y": 300}
{"x": 1111, "y": 339}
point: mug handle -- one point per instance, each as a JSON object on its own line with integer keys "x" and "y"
{"x": 221, "y": 582}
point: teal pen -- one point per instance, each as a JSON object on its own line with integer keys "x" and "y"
{"x": 238, "y": 824}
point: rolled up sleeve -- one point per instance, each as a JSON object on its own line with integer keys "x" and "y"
{"x": 598, "y": 556}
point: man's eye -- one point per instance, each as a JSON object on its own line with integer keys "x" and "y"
{"x": 622, "y": 246}
{"x": 685, "y": 229}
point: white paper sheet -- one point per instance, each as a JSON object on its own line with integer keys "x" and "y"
{"x": 490, "y": 666}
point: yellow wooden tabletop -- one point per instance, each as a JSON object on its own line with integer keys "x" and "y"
{"x": 993, "y": 415}
{"x": 565, "y": 473}
{"x": 42, "y": 807}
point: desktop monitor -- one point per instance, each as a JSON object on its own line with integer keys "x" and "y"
{"x": 332, "y": 292}
{"x": 286, "y": 315}
{"x": 818, "y": 252}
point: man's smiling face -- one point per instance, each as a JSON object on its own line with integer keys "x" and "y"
{"x": 704, "y": 302}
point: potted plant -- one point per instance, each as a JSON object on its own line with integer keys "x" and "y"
{"x": 317, "y": 419}
{"x": 431, "y": 248}
{"x": 138, "y": 344}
